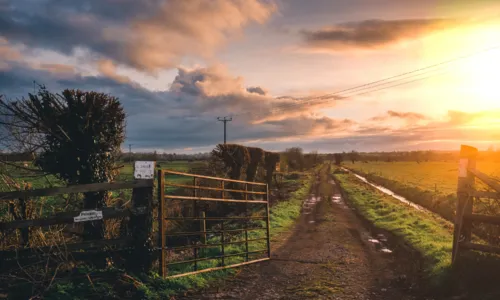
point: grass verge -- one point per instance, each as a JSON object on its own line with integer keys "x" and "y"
{"x": 430, "y": 235}
{"x": 475, "y": 275}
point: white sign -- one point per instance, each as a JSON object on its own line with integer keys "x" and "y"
{"x": 144, "y": 170}
{"x": 462, "y": 167}
{"x": 88, "y": 215}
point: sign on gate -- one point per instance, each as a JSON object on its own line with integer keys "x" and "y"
{"x": 144, "y": 170}
{"x": 88, "y": 215}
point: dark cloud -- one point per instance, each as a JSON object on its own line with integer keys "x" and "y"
{"x": 371, "y": 34}
{"x": 410, "y": 116}
{"x": 257, "y": 90}
{"x": 144, "y": 34}
{"x": 185, "y": 114}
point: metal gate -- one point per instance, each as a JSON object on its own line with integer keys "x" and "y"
{"x": 210, "y": 223}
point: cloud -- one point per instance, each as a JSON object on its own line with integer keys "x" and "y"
{"x": 372, "y": 34}
{"x": 257, "y": 90}
{"x": 146, "y": 35}
{"x": 409, "y": 116}
{"x": 108, "y": 68}
{"x": 185, "y": 115}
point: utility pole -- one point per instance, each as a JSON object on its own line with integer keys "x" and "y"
{"x": 130, "y": 152}
{"x": 225, "y": 120}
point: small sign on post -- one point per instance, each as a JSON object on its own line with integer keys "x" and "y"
{"x": 462, "y": 167}
{"x": 88, "y": 215}
{"x": 144, "y": 169}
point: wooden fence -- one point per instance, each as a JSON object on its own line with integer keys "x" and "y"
{"x": 467, "y": 194}
{"x": 139, "y": 226}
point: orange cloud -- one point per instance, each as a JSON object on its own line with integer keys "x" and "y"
{"x": 189, "y": 28}
{"x": 108, "y": 68}
{"x": 372, "y": 34}
{"x": 410, "y": 116}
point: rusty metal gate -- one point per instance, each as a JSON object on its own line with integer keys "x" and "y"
{"x": 210, "y": 223}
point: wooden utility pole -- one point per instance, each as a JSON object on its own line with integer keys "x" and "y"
{"x": 465, "y": 185}
{"x": 225, "y": 120}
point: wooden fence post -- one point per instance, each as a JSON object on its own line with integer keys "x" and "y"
{"x": 465, "y": 185}
{"x": 141, "y": 225}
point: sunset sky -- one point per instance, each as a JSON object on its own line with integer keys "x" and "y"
{"x": 177, "y": 65}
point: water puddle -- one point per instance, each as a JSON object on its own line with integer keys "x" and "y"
{"x": 337, "y": 199}
{"x": 387, "y": 191}
{"x": 380, "y": 242}
{"x": 309, "y": 204}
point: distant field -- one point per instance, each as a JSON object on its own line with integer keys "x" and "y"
{"x": 432, "y": 176}
{"x": 126, "y": 173}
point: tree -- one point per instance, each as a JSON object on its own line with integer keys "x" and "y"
{"x": 77, "y": 136}
{"x": 353, "y": 156}
{"x": 338, "y": 159}
{"x": 295, "y": 158}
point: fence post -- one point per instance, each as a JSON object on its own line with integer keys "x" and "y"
{"x": 468, "y": 157}
{"x": 141, "y": 225}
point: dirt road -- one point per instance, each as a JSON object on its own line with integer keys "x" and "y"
{"x": 327, "y": 255}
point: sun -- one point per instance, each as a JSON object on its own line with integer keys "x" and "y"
{"x": 476, "y": 76}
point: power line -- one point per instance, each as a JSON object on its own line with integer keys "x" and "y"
{"x": 224, "y": 120}
{"x": 392, "y": 79}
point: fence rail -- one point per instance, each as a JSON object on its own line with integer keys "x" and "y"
{"x": 200, "y": 216}
{"x": 138, "y": 215}
{"x": 467, "y": 194}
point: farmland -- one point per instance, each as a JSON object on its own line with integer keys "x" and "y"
{"x": 438, "y": 177}
{"x": 125, "y": 173}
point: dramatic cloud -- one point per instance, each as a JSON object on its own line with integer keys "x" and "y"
{"x": 372, "y": 34}
{"x": 410, "y": 116}
{"x": 185, "y": 114}
{"x": 147, "y": 35}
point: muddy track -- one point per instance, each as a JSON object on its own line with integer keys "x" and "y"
{"x": 327, "y": 255}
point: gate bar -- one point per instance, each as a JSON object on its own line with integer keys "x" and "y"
{"x": 215, "y": 257}
{"x": 214, "y": 232}
{"x": 210, "y": 177}
{"x": 212, "y": 199}
{"x": 216, "y": 218}
{"x": 211, "y": 188}
{"x": 212, "y": 245}
{"x": 218, "y": 268}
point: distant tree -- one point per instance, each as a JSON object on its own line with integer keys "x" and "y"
{"x": 353, "y": 156}
{"x": 77, "y": 136}
{"x": 295, "y": 158}
{"x": 338, "y": 159}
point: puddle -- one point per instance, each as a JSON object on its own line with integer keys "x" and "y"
{"x": 312, "y": 221}
{"x": 385, "y": 250}
{"x": 387, "y": 191}
{"x": 309, "y": 204}
{"x": 374, "y": 241}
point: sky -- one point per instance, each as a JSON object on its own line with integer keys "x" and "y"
{"x": 288, "y": 72}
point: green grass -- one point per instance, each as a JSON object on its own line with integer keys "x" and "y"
{"x": 437, "y": 177}
{"x": 427, "y": 233}
{"x": 282, "y": 217}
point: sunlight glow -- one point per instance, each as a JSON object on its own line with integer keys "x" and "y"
{"x": 473, "y": 82}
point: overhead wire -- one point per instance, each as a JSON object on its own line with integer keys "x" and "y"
{"x": 367, "y": 88}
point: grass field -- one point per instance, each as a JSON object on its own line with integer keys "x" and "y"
{"x": 126, "y": 173}
{"x": 439, "y": 177}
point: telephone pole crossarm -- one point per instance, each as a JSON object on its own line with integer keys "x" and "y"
{"x": 224, "y": 120}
